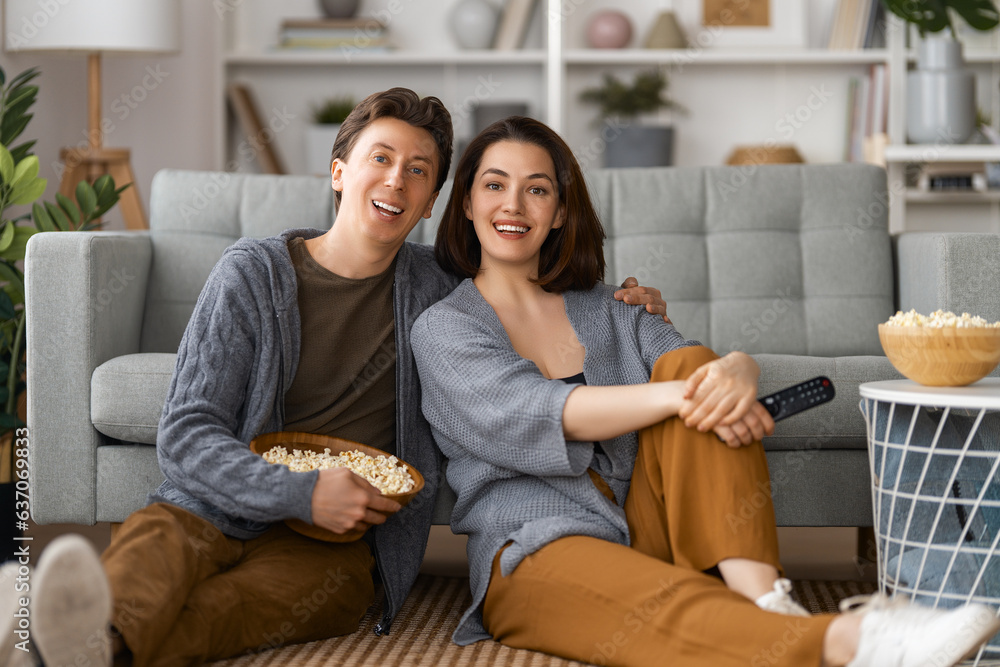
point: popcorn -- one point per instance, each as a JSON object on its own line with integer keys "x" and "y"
{"x": 385, "y": 473}
{"x": 939, "y": 319}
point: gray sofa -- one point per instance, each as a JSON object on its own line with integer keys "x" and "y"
{"x": 792, "y": 264}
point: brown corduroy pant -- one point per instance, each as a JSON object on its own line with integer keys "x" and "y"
{"x": 185, "y": 593}
{"x": 693, "y": 502}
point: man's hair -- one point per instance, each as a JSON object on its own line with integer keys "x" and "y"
{"x": 572, "y": 256}
{"x": 403, "y": 104}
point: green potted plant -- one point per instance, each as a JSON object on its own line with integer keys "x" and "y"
{"x": 941, "y": 91}
{"x": 322, "y": 132}
{"x": 20, "y": 185}
{"x": 628, "y": 142}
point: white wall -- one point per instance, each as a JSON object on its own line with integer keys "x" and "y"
{"x": 166, "y": 120}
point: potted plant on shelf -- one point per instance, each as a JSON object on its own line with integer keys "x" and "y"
{"x": 321, "y": 134}
{"x": 628, "y": 142}
{"x": 941, "y": 91}
{"x": 20, "y": 185}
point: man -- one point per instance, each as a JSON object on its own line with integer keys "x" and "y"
{"x": 286, "y": 335}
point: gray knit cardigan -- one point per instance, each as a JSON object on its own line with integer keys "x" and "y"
{"x": 499, "y": 422}
{"x": 237, "y": 358}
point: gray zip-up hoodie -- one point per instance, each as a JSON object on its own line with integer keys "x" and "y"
{"x": 237, "y": 358}
{"x": 499, "y": 422}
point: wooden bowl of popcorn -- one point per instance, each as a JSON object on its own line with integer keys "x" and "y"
{"x": 941, "y": 349}
{"x": 396, "y": 479}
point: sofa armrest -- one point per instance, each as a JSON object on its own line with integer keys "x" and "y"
{"x": 84, "y": 296}
{"x": 955, "y": 271}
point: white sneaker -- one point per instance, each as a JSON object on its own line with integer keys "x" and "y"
{"x": 897, "y": 633}
{"x": 13, "y": 649}
{"x": 71, "y": 605}
{"x": 780, "y": 600}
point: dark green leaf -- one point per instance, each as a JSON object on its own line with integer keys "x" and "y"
{"x": 3, "y": 76}
{"x": 15, "y": 284}
{"x": 62, "y": 222}
{"x": 69, "y": 207}
{"x": 7, "y": 311}
{"x": 980, "y": 14}
{"x": 25, "y": 76}
{"x": 87, "y": 197}
{"x": 43, "y": 221}
{"x": 23, "y": 150}
{"x": 9, "y": 421}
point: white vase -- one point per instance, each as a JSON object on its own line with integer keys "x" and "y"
{"x": 319, "y": 145}
{"x": 473, "y": 23}
{"x": 940, "y": 95}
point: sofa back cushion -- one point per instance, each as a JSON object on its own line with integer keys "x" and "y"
{"x": 787, "y": 259}
{"x": 196, "y": 215}
{"x": 780, "y": 259}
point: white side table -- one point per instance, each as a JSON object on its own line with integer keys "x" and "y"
{"x": 934, "y": 454}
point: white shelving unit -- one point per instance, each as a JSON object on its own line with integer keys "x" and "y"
{"x": 734, "y": 96}
{"x": 904, "y": 201}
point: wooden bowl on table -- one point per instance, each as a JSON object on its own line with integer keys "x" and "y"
{"x": 941, "y": 356}
{"x": 319, "y": 443}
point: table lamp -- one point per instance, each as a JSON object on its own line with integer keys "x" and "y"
{"x": 96, "y": 27}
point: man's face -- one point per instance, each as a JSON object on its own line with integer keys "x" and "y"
{"x": 387, "y": 182}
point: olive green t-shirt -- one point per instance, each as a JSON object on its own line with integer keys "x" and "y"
{"x": 345, "y": 384}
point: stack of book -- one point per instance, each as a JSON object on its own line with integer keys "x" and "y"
{"x": 952, "y": 177}
{"x": 867, "y": 116}
{"x": 359, "y": 34}
{"x": 858, "y": 24}
{"x": 514, "y": 24}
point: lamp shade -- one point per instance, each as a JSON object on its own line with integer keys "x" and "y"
{"x": 92, "y": 25}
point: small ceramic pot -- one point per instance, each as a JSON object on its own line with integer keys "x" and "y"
{"x": 473, "y": 24}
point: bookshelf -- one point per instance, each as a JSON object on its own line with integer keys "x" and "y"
{"x": 914, "y": 209}
{"x": 735, "y": 95}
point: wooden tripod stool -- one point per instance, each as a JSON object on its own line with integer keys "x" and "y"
{"x": 92, "y": 162}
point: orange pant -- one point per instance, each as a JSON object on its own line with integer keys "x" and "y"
{"x": 184, "y": 593}
{"x": 693, "y": 502}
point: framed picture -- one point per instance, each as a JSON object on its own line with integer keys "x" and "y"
{"x": 744, "y": 23}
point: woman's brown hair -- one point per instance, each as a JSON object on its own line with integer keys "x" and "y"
{"x": 572, "y": 256}
{"x": 403, "y": 104}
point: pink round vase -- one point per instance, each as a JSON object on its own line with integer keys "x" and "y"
{"x": 609, "y": 29}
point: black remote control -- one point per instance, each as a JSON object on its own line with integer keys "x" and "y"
{"x": 793, "y": 400}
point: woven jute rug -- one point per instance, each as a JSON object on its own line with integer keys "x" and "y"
{"x": 421, "y": 634}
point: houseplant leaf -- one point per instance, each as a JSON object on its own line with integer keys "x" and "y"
{"x": 25, "y": 169}
{"x": 16, "y": 250}
{"x": 15, "y": 285}
{"x": 6, "y": 236}
{"x": 43, "y": 221}
{"x": 29, "y": 193}
{"x": 62, "y": 222}
{"x": 979, "y": 14}
{"x": 87, "y": 197}
{"x": 67, "y": 205}
{"x": 7, "y": 311}
{"x": 6, "y": 164}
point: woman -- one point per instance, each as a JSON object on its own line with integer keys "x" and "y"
{"x": 586, "y": 540}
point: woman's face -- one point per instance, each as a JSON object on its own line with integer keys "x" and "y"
{"x": 513, "y": 203}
